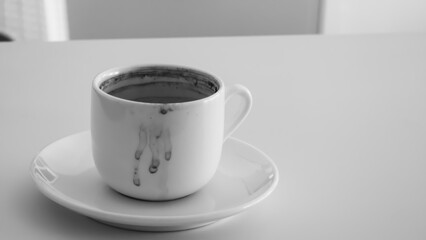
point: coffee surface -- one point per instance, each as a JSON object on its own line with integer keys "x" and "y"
{"x": 159, "y": 93}
{"x": 164, "y": 99}
{"x": 161, "y": 85}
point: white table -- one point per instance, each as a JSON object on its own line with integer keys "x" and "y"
{"x": 344, "y": 117}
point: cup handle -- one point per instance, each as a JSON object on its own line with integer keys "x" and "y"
{"x": 235, "y": 118}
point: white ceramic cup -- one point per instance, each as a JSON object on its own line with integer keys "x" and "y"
{"x": 160, "y": 148}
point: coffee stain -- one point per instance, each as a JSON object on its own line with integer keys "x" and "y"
{"x": 136, "y": 179}
{"x": 167, "y": 145}
{"x": 143, "y": 139}
{"x": 160, "y": 146}
{"x": 154, "y": 147}
{"x": 164, "y": 110}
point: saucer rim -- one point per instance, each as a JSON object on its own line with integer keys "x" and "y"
{"x": 148, "y": 220}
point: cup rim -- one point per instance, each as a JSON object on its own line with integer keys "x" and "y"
{"x": 114, "y": 71}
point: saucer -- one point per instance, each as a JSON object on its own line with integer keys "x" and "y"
{"x": 64, "y": 171}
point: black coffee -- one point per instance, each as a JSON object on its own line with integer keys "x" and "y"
{"x": 164, "y": 99}
{"x": 161, "y": 85}
{"x": 159, "y": 93}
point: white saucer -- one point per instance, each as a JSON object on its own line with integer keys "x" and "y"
{"x": 64, "y": 171}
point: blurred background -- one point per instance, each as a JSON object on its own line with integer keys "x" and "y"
{"x": 63, "y": 20}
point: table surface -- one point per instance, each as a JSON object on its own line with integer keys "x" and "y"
{"x": 343, "y": 117}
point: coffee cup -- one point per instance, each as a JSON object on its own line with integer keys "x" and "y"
{"x": 158, "y": 130}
